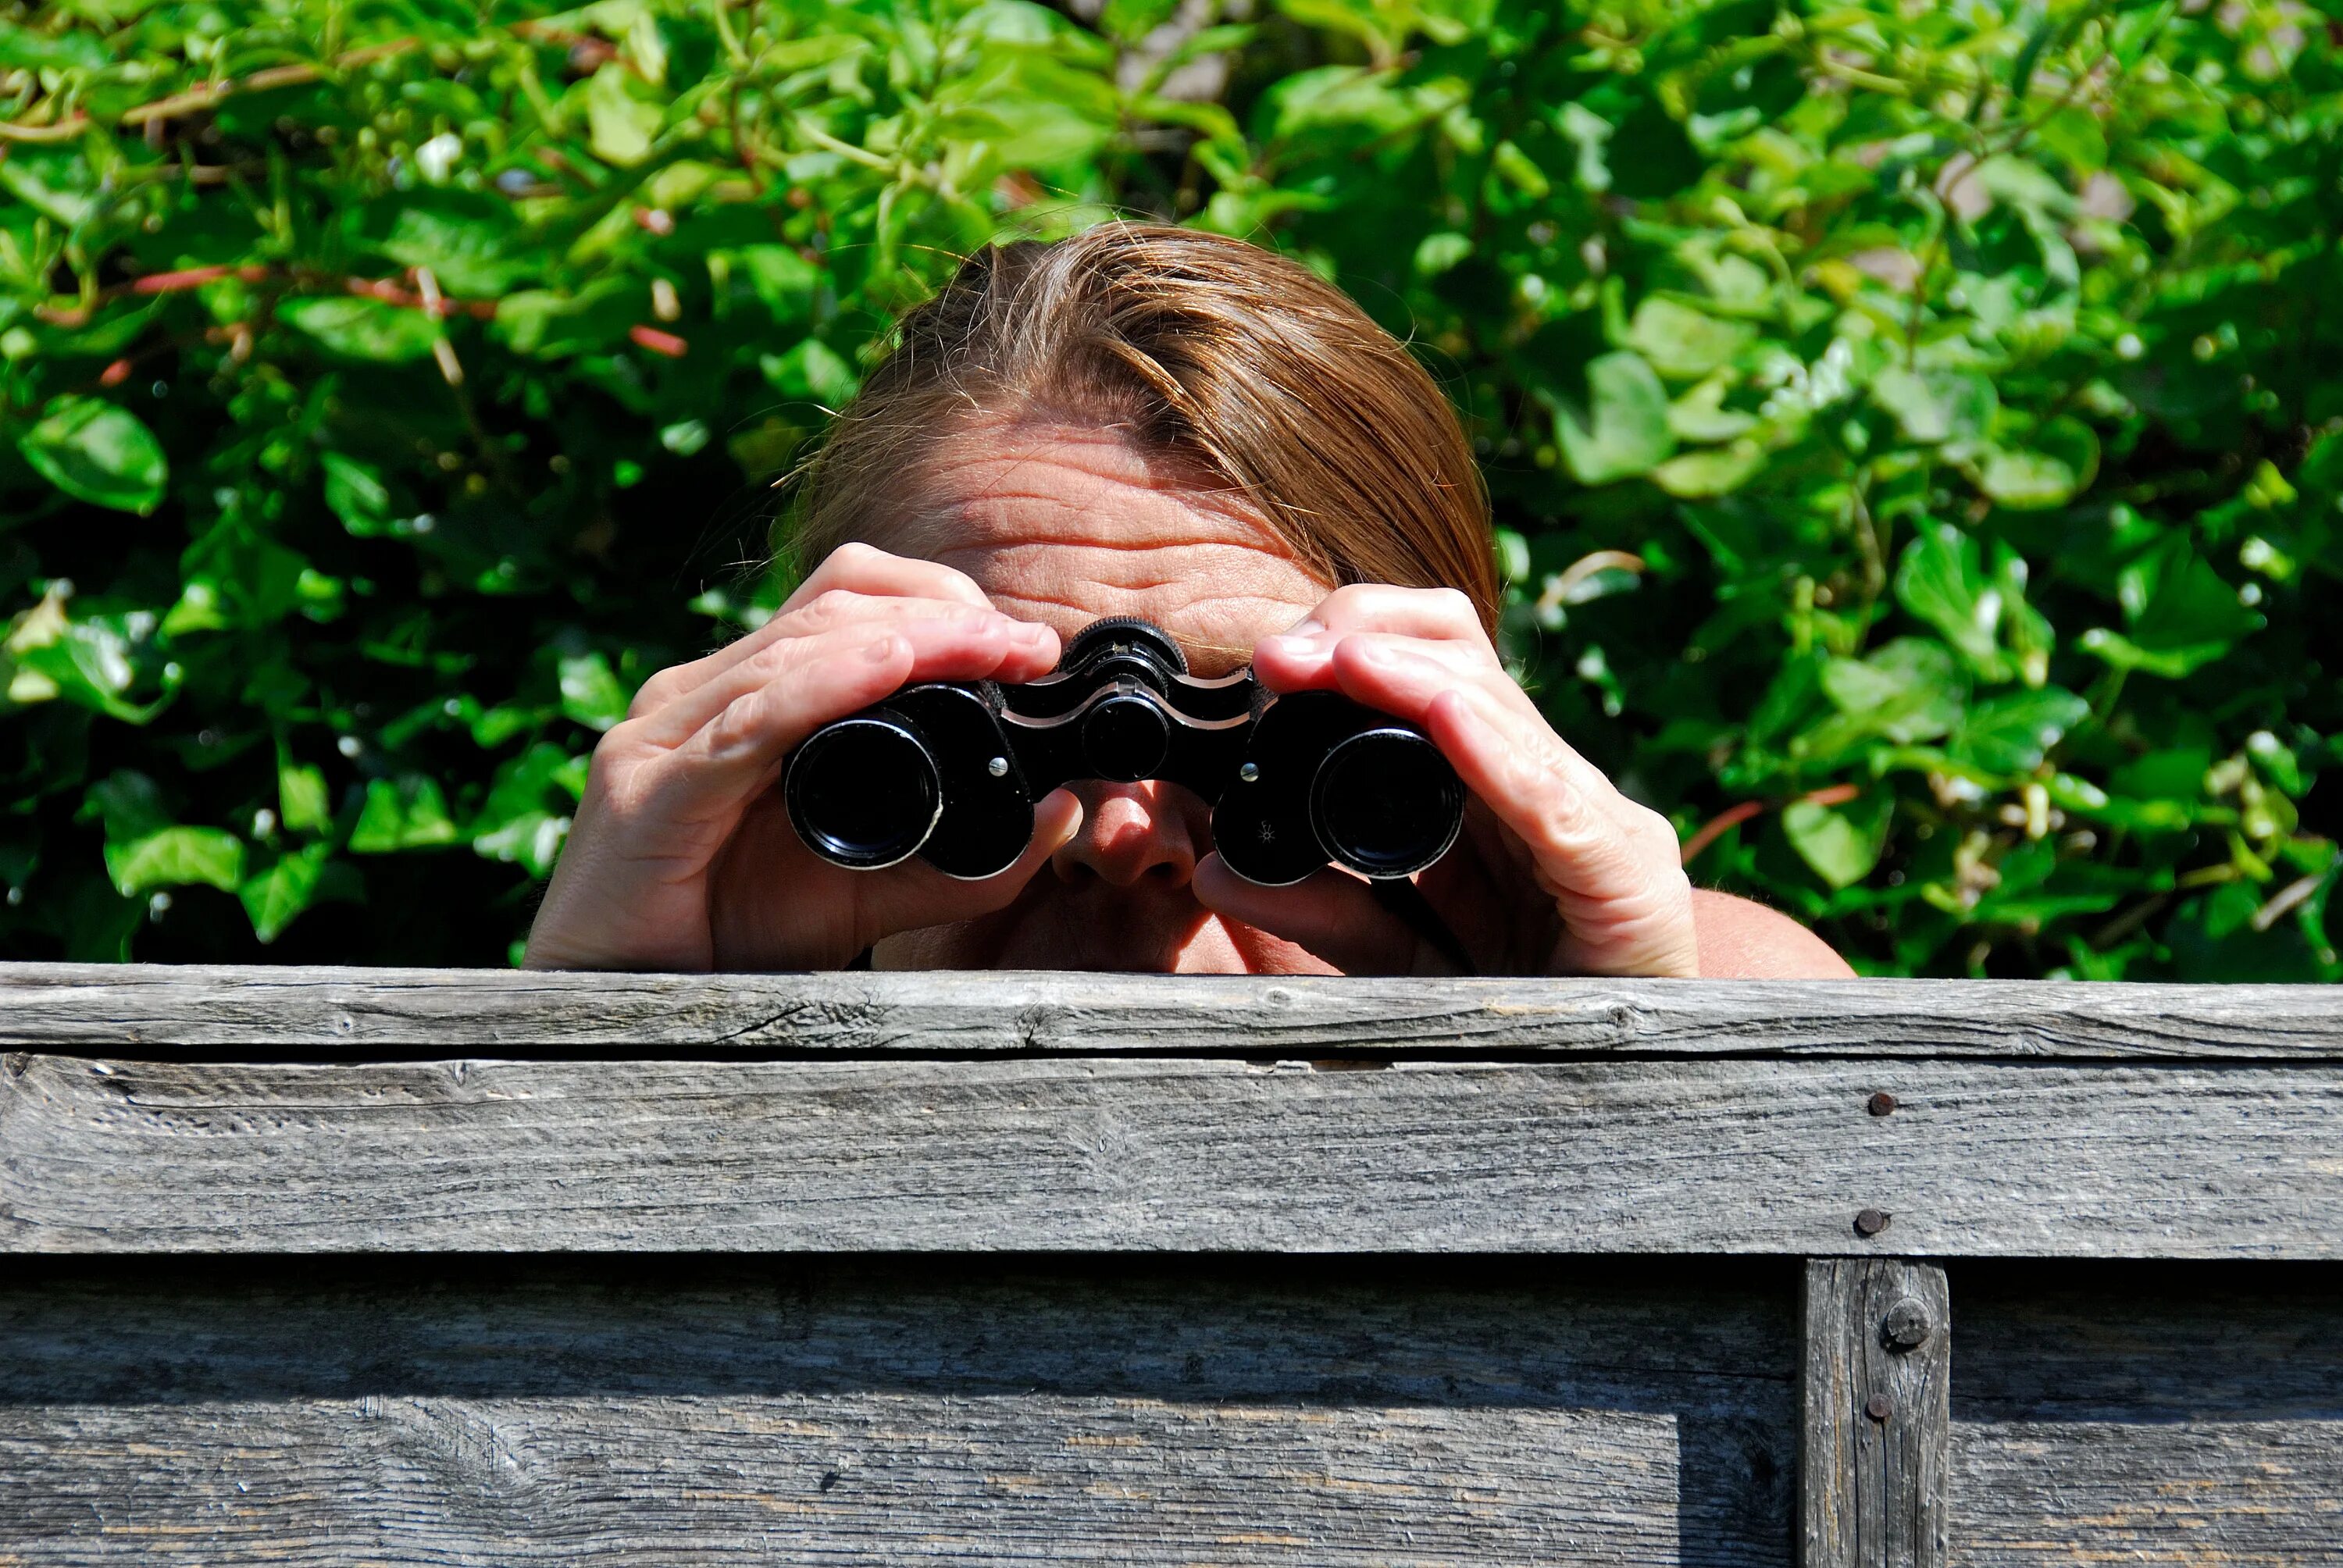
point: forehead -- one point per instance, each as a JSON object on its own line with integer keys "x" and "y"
{"x": 1065, "y": 525}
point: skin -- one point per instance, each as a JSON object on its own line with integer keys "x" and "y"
{"x": 681, "y": 857}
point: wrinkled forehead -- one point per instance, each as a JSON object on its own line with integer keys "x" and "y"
{"x": 1065, "y": 525}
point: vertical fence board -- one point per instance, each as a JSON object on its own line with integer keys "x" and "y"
{"x": 1877, "y": 1388}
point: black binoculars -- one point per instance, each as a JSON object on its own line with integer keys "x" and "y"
{"x": 950, "y": 771}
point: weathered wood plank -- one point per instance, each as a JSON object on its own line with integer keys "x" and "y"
{"x": 1875, "y": 1396}
{"x": 2142, "y": 1413}
{"x": 1122, "y": 1154}
{"x": 989, "y": 1013}
{"x": 1332, "y": 1414}
{"x": 2203, "y": 1494}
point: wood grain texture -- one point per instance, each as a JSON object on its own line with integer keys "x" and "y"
{"x": 2205, "y": 1494}
{"x": 1875, "y": 1395}
{"x": 1130, "y": 1154}
{"x": 1347, "y": 1413}
{"x": 2152, "y": 1414}
{"x": 313, "y": 1009}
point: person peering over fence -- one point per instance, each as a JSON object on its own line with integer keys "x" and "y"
{"x": 1150, "y": 422}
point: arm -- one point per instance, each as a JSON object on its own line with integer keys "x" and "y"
{"x": 1744, "y": 941}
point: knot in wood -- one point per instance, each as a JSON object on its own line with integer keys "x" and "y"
{"x": 1871, "y": 1222}
{"x": 1906, "y": 1326}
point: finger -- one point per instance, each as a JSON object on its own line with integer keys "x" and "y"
{"x": 1440, "y": 613}
{"x": 950, "y": 642}
{"x": 1329, "y": 914}
{"x": 1307, "y": 661}
{"x": 1404, "y": 677}
{"x": 853, "y": 575}
{"x": 1625, "y": 903}
{"x": 740, "y": 750}
{"x": 865, "y": 569}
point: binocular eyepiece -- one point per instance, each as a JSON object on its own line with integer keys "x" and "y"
{"x": 950, "y": 771}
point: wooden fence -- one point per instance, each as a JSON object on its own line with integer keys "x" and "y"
{"x": 397, "y": 1266}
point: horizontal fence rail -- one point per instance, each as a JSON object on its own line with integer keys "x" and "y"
{"x": 948, "y": 1014}
{"x": 1022, "y": 1112}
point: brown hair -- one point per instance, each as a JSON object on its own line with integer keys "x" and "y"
{"x": 1207, "y": 349}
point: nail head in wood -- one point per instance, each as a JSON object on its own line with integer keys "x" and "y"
{"x": 1882, "y": 1103}
{"x": 1879, "y": 1407}
{"x": 1906, "y": 1326}
{"x": 1871, "y": 1222}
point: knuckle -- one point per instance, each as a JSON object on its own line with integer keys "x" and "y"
{"x": 650, "y": 697}
{"x": 735, "y": 729}
{"x": 1451, "y": 604}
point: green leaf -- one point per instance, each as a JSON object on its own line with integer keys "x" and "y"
{"x": 620, "y": 126}
{"x": 94, "y": 451}
{"x": 546, "y": 325}
{"x": 1940, "y": 581}
{"x": 812, "y": 371}
{"x": 365, "y": 329}
{"x": 1841, "y": 843}
{"x": 590, "y": 693}
{"x": 2011, "y": 734}
{"x": 301, "y": 803}
{"x": 1934, "y": 406}
{"x": 175, "y": 857}
{"x": 1683, "y": 343}
{"x": 467, "y": 239}
{"x": 1621, "y": 429}
{"x": 408, "y": 812}
{"x": 1718, "y": 471}
{"x": 1908, "y": 691}
{"x": 273, "y": 896}
{"x": 2060, "y": 463}
{"x": 1437, "y": 253}
{"x": 356, "y": 493}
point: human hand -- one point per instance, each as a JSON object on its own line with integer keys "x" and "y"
{"x": 681, "y": 855}
{"x": 1555, "y": 873}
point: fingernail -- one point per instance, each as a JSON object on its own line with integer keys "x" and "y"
{"x": 1295, "y": 645}
{"x": 881, "y": 651}
{"x": 1368, "y": 651}
{"x": 1029, "y": 632}
{"x": 1308, "y": 626}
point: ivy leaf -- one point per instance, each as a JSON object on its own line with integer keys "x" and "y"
{"x": 366, "y": 329}
{"x": 1841, "y": 843}
{"x": 1937, "y": 405}
{"x": 590, "y": 693}
{"x": 175, "y": 857}
{"x": 1940, "y": 581}
{"x": 301, "y": 803}
{"x": 620, "y": 126}
{"x": 94, "y": 451}
{"x": 408, "y": 812}
{"x": 811, "y": 372}
{"x": 1683, "y": 343}
{"x": 2011, "y": 734}
{"x": 2062, "y": 458}
{"x": 276, "y": 895}
{"x": 356, "y": 493}
{"x": 1621, "y": 429}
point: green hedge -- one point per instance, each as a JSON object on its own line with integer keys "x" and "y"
{"x": 1915, "y": 430}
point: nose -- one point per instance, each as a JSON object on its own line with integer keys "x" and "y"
{"x": 1133, "y": 833}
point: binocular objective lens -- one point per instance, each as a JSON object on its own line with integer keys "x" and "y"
{"x": 864, "y": 793}
{"x": 1385, "y": 803}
